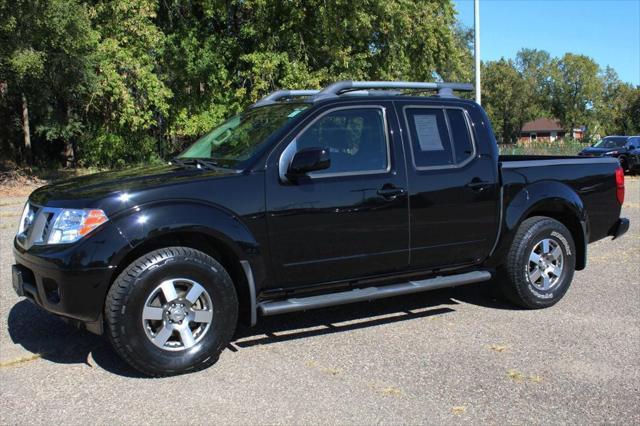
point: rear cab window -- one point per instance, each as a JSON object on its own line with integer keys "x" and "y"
{"x": 440, "y": 137}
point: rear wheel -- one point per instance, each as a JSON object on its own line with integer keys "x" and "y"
{"x": 172, "y": 311}
{"x": 540, "y": 264}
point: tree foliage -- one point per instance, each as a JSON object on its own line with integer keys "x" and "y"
{"x": 506, "y": 98}
{"x": 115, "y": 82}
{"x": 572, "y": 89}
{"x": 121, "y": 81}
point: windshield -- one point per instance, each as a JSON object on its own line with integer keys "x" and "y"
{"x": 239, "y": 138}
{"x": 611, "y": 143}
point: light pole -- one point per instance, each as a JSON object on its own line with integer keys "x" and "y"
{"x": 476, "y": 45}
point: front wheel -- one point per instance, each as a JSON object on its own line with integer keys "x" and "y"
{"x": 540, "y": 263}
{"x": 624, "y": 164}
{"x": 171, "y": 311}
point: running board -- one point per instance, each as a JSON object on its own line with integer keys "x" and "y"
{"x": 369, "y": 293}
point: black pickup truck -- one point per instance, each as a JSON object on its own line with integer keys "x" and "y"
{"x": 360, "y": 191}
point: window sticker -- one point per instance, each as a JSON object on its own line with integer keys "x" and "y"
{"x": 428, "y": 134}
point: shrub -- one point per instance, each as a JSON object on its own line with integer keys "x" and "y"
{"x": 566, "y": 146}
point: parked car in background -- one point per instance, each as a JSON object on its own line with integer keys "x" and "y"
{"x": 614, "y": 146}
{"x": 634, "y": 159}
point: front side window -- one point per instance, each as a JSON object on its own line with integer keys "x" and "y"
{"x": 355, "y": 138}
{"x": 240, "y": 137}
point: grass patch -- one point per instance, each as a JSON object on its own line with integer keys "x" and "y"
{"x": 519, "y": 377}
{"x": 558, "y": 147}
{"x": 515, "y": 375}
{"x": 20, "y": 360}
{"x": 498, "y": 348}
{"x": 459, "y": 409}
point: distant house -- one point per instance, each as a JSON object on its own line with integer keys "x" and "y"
{"x": 542, "y": 129}
{"x": 548, "y": 130}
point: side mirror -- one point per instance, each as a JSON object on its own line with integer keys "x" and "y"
{"x": 632, "y": 147}
{"x": 308, "y": 160}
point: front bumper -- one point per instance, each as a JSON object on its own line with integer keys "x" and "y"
{"x": 75, "y": 295}
{"x": 620, "y": 228}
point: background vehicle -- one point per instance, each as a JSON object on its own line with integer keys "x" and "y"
{"x": 348, "y": 195}
{"x": 634, "y": 159}
{"x": 614, "y": 146}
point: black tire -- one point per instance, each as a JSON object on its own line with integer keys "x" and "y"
{"x": 624, "y": 163}
{"x": 515, "y": 279}
{"x": 130, "y": 293}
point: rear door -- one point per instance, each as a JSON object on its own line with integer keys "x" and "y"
{"x": 348, "y": 221}
{"x": 453, "y": 185}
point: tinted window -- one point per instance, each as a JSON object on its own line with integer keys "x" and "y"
{"x": 429, "y": 137}
{"x": 611, "y": 142}
{"x": 355, "y": 138}
{"x": 462, "y": 143}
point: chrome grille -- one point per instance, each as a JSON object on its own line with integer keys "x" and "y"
{"x": 35, "y": 225}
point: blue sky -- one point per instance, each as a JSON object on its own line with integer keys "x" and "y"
{"x": 606, "y": 30}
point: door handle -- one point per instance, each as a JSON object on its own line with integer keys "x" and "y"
{"x": 390, "y": 192}
{"x": 478, "y": 185}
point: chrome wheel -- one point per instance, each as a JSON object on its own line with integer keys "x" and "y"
{"x": 177, "y": 314}
{"x": 545, "y": 264}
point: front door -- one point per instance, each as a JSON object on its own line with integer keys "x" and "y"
{"x": 347, "y": 221}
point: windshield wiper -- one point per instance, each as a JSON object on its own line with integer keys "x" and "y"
{"x": 206, "y": 163}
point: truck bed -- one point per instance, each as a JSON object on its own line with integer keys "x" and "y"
{"x": 592, "y": 179}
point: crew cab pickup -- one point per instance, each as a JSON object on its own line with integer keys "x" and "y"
{"x": 308, "y": 199}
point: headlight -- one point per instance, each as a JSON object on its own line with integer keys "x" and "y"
{"x": 70, "y": 225}
{"x": 26, "y": 219}
{"x": 612, "y": 153}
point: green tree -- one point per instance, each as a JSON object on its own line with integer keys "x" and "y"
{"x": 576, "y": 90}
{"x": 628, "y": 120}
{"x": 223, "y": 55}
{"x": 505, "y": 99}
{"x": 43, "y": 63}
{"x": 535, "y": 67}
{"x": 128, "y": 98}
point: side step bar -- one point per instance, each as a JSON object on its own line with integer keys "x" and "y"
{"x": 369, "y": 293}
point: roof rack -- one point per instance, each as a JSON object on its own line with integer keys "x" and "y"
{"x": 444, "y": 89}
{"x": 279, "y": 94}
{"x": 344, "y": 87}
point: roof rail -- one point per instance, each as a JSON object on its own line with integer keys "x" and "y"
{"x": 444, "y": 89}
{"x": 273, "y": 97}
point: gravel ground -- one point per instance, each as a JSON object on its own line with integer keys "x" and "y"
{"x": 450, "y": 356}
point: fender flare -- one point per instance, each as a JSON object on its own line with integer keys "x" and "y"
{"x": 551, "y": 198}
{"x": 144, "y": 223}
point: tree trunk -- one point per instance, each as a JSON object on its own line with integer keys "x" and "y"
{"x": 25, "y": 129}
{"x": 69, "y": 148}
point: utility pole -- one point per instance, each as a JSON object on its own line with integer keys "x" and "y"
{"x": 476, "y": 45}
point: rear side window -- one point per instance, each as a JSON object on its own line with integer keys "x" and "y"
{"x": 429, "y": 137}
{"x": 439, "y": 137}
{"x": 462, "y": 144}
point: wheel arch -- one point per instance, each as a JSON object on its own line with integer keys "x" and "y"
{"x": 554, "y": 200}
{"x": 213, "y": 231}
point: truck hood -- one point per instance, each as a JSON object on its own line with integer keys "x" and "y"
{"x": 600, "y": 151}
{"x": 98, "y": 186}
